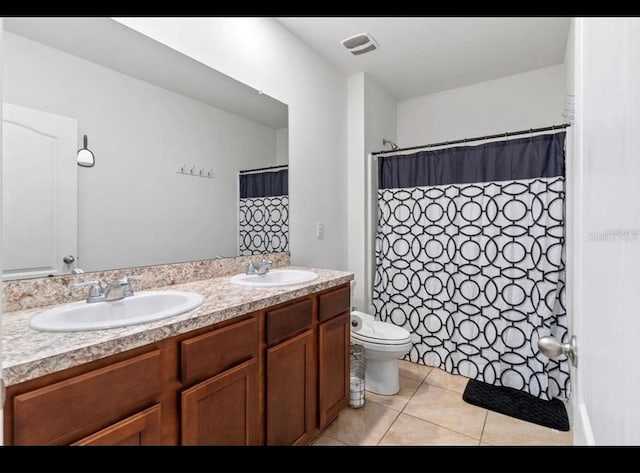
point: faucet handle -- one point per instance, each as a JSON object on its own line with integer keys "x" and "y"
{"x": 263, "y": 268}
{"x": 126, "y": 279}
{"x": 126, "y": 282}
{"x": 251, "y": 269}
{"x": 95, "y": 290}
{"x": 93, "y": 284}
{"x": 264, "y": 264}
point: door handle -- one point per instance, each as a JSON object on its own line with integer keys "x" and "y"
{"x": 69, "y": 259}
{"x": 552, "y": 348}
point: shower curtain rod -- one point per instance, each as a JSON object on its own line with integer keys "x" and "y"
{"x": 247, "y": 171}
{"x": 477, "y": 138}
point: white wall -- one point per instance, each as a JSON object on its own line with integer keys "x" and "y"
{"x": 133, "y": 207}
{"x": 371, "y": 117}
{"x": 264, "y": 55}
{"x": 380, "y": 122}
{"x": 282, "y": 146}
{"x": 528, "y": 100}
{"x": 356, "y": 188}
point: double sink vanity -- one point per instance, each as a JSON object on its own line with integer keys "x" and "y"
{"x": 192, "y": 353}
{"x": 245, "y": 359}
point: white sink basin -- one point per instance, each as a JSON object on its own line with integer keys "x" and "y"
{"x": 275, "y": 277}
{"x": 139, "y": 308}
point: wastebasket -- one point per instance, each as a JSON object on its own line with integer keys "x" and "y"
{"x": 356, "y": 398}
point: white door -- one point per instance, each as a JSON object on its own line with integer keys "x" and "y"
{"x": 39, "y": 192}
{"x": 604, "y": 236}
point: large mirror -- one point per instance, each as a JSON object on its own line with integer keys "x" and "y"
{"x": 187, "y": 163}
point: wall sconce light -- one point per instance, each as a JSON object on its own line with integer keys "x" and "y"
{"x": 85, "y": 156}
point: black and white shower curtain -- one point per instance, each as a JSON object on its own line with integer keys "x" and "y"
{"x": 264, "y": 212}
{"x": 470, "y": 259}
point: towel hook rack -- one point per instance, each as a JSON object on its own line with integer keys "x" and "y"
{"x": 193, "y": 172}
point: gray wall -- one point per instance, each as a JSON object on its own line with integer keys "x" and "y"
{"x": 133, "y": 207}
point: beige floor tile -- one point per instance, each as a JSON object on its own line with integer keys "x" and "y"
{"x": 364, "y": 426}
{"x": 327, "y": 441}
{"x": 413, "y": 370}
{"x": 504, "y": 430}
{"x": 445, "y": 380}
{"x": 407, "y": 430}
{"x": 447, "y": 409}
{"x": 397, "y": 401}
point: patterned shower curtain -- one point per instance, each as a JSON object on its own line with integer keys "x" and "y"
{"x": 470, "y": 259}
{"x": 264, "y": 212}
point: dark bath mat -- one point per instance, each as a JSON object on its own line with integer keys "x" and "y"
{"x": 515, "y": 403}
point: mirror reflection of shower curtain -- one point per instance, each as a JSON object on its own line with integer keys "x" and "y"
{"x": 264, "y": 212}
{"x": 470, "y": 259}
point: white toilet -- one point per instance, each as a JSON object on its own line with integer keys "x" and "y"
{"x": 384, "y": 344}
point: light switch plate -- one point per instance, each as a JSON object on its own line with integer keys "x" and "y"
{"x": 320, "y": 230}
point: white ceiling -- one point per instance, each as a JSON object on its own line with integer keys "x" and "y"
{"x": 419, "y": 56}
{"x": 113, "y": 45}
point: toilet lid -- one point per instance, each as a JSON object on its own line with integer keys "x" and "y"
{"x": 381, "y": 332}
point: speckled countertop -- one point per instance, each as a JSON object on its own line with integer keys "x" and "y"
{"x": 29, "y": 353}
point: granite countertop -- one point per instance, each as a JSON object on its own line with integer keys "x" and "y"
{"x": 29, "y": 353}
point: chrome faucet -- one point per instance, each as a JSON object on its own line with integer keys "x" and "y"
{"x": 116, "y": 290}
{"x": 263, "y": 267}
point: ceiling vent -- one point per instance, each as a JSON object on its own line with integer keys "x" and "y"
{"x": 360, "y": 43}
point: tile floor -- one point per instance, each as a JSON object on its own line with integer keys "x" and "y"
{"x": 429, "y": 410}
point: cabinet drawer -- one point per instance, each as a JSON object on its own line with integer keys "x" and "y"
{"x": 64, "y": 411}
{"x": 211, "y": 353}
{"x": 334, "y": 303}
{"x": 288, "y": 321}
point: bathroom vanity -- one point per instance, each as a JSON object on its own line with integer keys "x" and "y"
{"x": 251, "y": 366}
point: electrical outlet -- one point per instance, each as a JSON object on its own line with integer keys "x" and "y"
{"x": 320, "y": 230}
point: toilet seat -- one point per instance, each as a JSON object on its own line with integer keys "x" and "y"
{"x": 384, "y": 344}
{"x": 381, "y": 333}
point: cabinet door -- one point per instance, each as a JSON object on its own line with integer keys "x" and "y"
{"x": 333, "y": 364}
{"x": 142, "y": 428}
{"x": 63, "y": 412}
{"x": 223, "y": 410}
{"x": 289, "y": 390}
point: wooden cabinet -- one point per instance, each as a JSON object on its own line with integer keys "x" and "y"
{"x": 139, "y": 429}
{"x": 277, "y": 376}
{"x": 290, "y": 371}
{"x": 223, "y": 410}
{"x": 62, "y": 412}
{"x": 213, "y": 352}
{"x": 333, "y": 367}
{"x": 334, "y": 337}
